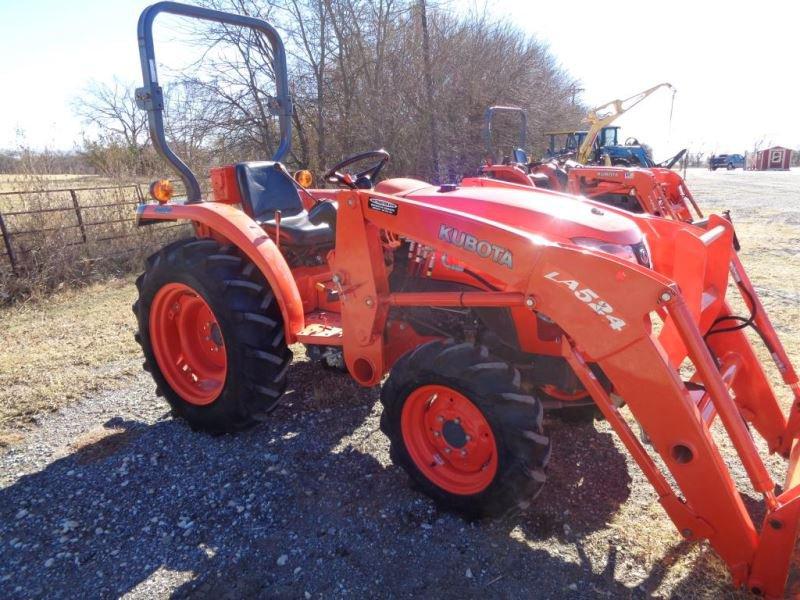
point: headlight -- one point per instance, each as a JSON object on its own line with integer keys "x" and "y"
{"x": 642, "y": 252}
{"x": 636, "y": 253}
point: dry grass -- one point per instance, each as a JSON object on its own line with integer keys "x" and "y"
{"x": 61, "y": 349}
{"x": 51, "y": 246}
{"x": 13, "y": 182}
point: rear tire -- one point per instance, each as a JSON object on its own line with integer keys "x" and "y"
{"x": 247, "y": 318}
{"x": 483, "y": 412}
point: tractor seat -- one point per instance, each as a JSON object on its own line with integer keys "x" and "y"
{"x": 297, "y": 230}
{"x": 266, "y": 187}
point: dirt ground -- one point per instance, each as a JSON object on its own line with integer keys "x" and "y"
{"x": 103, "y": 494}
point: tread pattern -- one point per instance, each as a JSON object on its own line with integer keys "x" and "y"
{"x": 515, "y": 418}
{"x": 251, "y": 323}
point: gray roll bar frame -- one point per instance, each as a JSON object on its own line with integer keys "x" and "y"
{"x": 150, "y": 96}
{"x": 488, "y": 115}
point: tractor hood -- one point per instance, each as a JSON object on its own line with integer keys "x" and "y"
{"x": 553, "y": 215}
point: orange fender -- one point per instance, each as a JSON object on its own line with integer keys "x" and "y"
{"x": 240, "y": 230}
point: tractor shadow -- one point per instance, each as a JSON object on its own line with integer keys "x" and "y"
{"x": 306, "y": 502}
{"x": 587, "y": 482}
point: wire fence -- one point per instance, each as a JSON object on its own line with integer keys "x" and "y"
{"x": 100, "y": 220}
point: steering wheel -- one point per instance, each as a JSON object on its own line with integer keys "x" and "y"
{"x": 670, "y": 162}
{"x": 632, "y": 141}
{"x": 362, "y": 179}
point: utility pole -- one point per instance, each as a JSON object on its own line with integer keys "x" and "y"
{"x": 575, "y": 91}
{"x": 426, "y": 50}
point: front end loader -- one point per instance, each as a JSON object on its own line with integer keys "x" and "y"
{"x": 636, "y": 306}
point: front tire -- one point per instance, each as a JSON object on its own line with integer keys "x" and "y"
{"x": 464, "y": 431}
{"x": 212, "y": 335}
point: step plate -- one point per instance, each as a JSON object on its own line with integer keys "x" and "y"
{"x": 322, "y": 328}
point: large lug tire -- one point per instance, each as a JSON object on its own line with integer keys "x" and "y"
{"x": 464, "y": 431}
{"x": 212, "y": 335}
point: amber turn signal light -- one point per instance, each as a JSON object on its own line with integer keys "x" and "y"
{"x": 162, "y": 190}
{"x": 304, "y": 178}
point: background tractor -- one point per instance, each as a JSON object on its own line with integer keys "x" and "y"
{"x": 658, "y": 191}
{"x": 472, "y": 298}
{"x": 600, "y": 144}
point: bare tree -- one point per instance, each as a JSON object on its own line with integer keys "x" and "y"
{"x": 111, "y": 109}
{"x": 405, "y": 75}
{"x": 311, "y": 47}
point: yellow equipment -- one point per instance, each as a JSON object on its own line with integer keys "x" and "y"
{"x": 605, "y": 114}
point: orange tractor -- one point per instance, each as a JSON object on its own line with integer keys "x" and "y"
{"x": 658, "y": 191}
{"x": 472, "y": 298}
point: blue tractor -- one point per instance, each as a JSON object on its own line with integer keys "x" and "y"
{"x": 606, "y": 143}
{"x": 600, "y": 143}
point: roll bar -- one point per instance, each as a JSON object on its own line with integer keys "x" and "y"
{"x": 150, "y": 96}
{"x": 487, "y": 125}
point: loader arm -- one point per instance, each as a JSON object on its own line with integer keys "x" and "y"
{"x": 604, "y": 306}
{"x": 605, "y": 114}
{"x": 660, "y": 192}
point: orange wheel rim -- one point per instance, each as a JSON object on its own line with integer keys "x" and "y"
{"x": 187, "y": 343}
{"x": 449, "y": 439}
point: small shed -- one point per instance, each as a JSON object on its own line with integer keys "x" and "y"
{"x": 776, "y": 158}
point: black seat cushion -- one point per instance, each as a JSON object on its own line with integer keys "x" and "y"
{"x": 267, "y": 187}
{"x": 297, "y": 230}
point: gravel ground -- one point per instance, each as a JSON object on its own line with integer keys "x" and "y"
{"x": 111, "y": 497}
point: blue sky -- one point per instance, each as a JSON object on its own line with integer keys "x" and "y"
{"x": 50, "y": 50}
{"x": 733, "y": 64}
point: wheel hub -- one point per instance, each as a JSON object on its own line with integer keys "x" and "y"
{"x": 449, "y": 439}
{"x": 454, "y": 434}
{"x": 188, "y": 344}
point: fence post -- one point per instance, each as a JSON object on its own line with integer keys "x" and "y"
{"x": 78, "y": 214}
{"x": 7, "y": 241}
